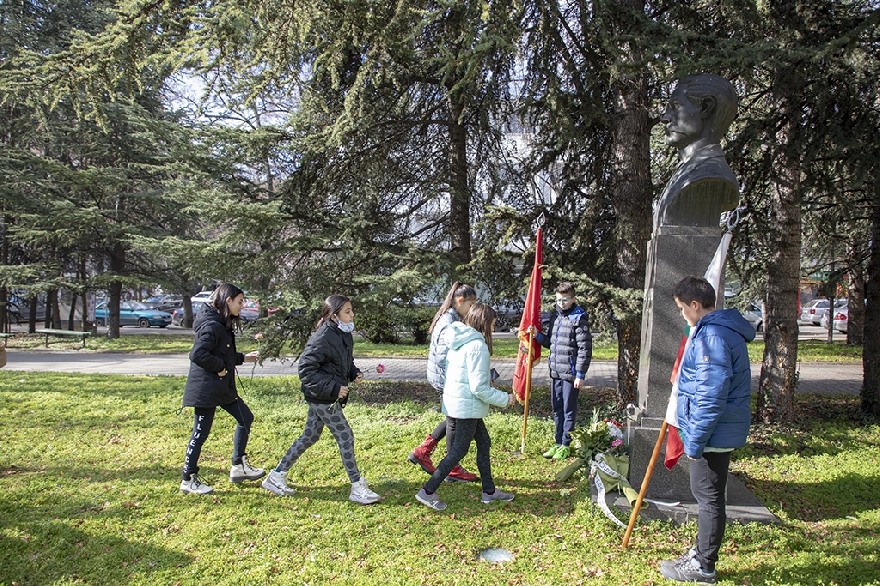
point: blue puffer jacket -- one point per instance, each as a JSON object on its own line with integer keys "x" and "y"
{"x": 467, "y": 394}
{"x": 715, "y": 386}
{"x": 438, "y": 349}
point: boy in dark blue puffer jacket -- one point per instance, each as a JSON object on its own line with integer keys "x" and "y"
{"x": 571, "y": 349}
{"x": 714, "y": 412}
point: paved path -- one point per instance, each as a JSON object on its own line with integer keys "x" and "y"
{"x": 815, "y": 377}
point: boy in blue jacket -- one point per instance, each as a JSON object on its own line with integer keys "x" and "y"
{"x": 714, "y": 412}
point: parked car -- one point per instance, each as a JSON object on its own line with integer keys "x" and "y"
{"x": 508, "y": 318}
{"x": 814, "y": 310}
{"x": 166, "y": 303}
{"x": 754, "y": 316}
{"x": 826, "y": 315}
{"x": 133, "y": 313}
{"x": 202, "y": 297}
{"x": 841, "y": 319}
{"x": 177, "y": 314}
{"x": 250, "y": 312}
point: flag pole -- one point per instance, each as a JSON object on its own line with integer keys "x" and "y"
{"x": 644, "y": 489}
{"x": 528, "y": 393}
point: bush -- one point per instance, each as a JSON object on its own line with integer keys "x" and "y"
{"x": 386, "y": 325}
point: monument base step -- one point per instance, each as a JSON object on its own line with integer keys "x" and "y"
{"x": 742, "y": 507}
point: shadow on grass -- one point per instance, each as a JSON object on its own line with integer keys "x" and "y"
{"x": 856, "y": 549}
{"x": 846, "y": 495}
{"x": 38, "y": 550}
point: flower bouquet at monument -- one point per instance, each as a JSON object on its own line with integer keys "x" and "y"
{"x": 602, "y": 436}
{"x": 603, "y": 454}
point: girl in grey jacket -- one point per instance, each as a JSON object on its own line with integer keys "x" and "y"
{"x": 457, "y": 303}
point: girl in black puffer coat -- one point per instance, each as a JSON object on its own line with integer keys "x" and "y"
{"x": 211, "y": 384}
{"x": 326, "y": 368}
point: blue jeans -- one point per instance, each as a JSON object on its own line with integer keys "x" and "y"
{"x": 708, "y": 484}
{"x": 564, "y": 401}
{"x": 204, "y": 419}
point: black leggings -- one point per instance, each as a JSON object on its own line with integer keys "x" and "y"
{"x": 445, "y": 428}
{"x": 466, "y": 430}
{"x": 204, "y": 419}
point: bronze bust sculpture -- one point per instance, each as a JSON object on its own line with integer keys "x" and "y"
{"x": 700, "y": 110}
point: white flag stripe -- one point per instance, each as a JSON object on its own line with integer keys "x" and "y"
{"x": 713, "y": 275}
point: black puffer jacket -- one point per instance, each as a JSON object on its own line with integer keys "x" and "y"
{"x": 570, "y": 342}
{"x": 326, "y": 364}
{"x": 213, "y": 351}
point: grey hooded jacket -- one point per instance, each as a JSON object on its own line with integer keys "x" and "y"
{"x": 439, "y": 348}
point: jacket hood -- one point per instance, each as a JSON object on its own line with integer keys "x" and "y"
{"x": 731, "y": 319}
{"x": 206, "y": 314}
{"x": 458, "y": 334}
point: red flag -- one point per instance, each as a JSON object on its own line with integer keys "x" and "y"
{"x": 531, "y": 317}
{"x": 674, "y": 447}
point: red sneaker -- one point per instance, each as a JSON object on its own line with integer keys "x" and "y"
{"x": 459, "y": 474}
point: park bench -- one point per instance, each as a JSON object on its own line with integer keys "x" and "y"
{"x": 65, "y": 334}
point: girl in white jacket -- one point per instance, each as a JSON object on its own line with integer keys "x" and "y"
{"x": 467, "y": 395}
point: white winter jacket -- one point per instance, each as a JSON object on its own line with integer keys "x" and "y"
{"x": 467, "y": 394}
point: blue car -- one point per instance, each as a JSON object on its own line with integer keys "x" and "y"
{"x": 133, "y": 313}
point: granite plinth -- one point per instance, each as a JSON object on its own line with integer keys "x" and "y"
{"x": 742, "y": 507}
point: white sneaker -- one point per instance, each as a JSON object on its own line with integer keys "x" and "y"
{"x": 277, "y": 483}
{"x": 244, "y": 471}
{"x": 360, "y": 493}
{"x": 194, "y": 486}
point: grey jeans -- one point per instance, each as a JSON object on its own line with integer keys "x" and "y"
{"x": 319, "y": 416}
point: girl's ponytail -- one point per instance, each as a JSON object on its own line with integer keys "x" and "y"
{"x": 458, "y": 289}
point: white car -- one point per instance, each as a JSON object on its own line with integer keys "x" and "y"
{"x": 814, "y": 310}
{"x": 755, "y": 317}
{"x": 202, "y": 297}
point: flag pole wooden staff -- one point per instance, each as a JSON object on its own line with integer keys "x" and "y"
{"x": 644, "y": 489}
{"x": 528, "y": 393}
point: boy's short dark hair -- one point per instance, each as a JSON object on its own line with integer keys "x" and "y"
{"x": 695, "y": 289}
{"x": 565, "y": 288}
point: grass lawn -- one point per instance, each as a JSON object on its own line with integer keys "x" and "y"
{"x": 89, "y": 475}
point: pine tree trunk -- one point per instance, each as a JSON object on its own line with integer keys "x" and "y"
{"x": 459, "y": 194}
{"x": 871, "y": 348}
{"x": 50, "y": 309}
{"x": 5, "y": 320}
{"x": 632, "y": 197}
{"x": 71, "y": 315}
{"x": 778, "y": 372}
{"x": 855, "y": 327}
{"x": 32, "y": 318}
{"x": 117, "y": 266}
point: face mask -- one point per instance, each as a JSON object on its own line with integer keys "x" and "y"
{"x": 346, "y": 327}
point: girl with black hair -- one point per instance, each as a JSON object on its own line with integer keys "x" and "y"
{"x": 456, "y": 305}
{"x": 326, "y": 368}
{"x": 211, "y": 384}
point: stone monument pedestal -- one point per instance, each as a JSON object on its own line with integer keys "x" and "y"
{"x": 673, "y": 253}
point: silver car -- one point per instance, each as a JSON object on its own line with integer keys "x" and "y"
{"x": 754, "y": 316}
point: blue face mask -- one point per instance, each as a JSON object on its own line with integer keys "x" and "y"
{"x": 345, "y": 327}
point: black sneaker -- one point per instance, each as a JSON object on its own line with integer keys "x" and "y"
{"x": 687, "y": 571}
